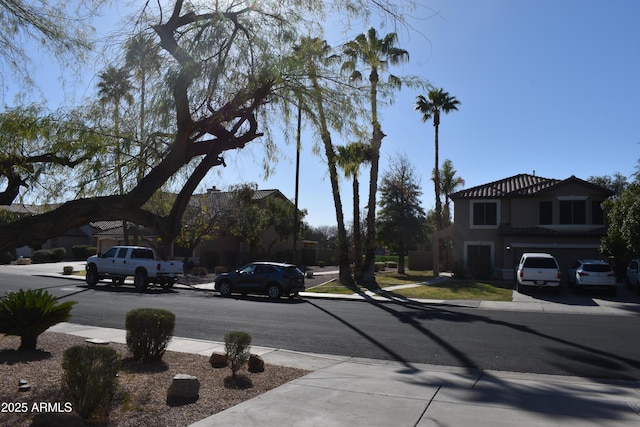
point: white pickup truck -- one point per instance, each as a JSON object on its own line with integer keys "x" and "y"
{"x": 538, "y": 269}
{"x": 118, "y": 262}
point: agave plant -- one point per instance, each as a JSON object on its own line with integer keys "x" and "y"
{"x": 29, "y": 313}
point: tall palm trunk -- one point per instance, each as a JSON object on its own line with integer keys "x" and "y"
{"x": 436, "y": 183}
{"x": 116, "y": 120}
{"x": 345, "y": 275}
{"x": 357, "y": 232}
{"x": 367, "y": 276}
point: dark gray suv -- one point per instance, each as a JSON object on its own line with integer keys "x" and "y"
{"x": 273, "y": 279}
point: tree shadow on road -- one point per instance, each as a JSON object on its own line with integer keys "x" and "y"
{"x": 538, "y": 396}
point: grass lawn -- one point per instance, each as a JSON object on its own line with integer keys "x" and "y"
{"x": 459, "y": 290}
{"x": 449, "y": 289}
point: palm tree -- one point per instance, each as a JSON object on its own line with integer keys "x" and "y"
{"x": 438, "y": 101}
{"x": 449, "y": 183}
{"x": 350, "y": 158}
{"x": 311, "y": 54}
{"x": 114, "y": 87}
{"x": 375, "y": 53}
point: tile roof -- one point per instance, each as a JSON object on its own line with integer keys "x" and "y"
{"x": 518, "y": 185}
{"x": 221, "y": 200}
{"x": 522, "y": 185}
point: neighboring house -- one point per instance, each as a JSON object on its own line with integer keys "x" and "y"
{"x": 228, "y": 250}
{"x": 110, "y": 233}
{"x": 499, "y": 221}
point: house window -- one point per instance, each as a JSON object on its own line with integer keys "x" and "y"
{"x": 546, "y": 213}
{"x": 485, "y": 213}
{"x": 572, "y": 212}
{"x": 597, "y": 216}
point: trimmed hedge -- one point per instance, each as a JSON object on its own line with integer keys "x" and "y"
{"x": 48, "y": 255}
{"x": 89, "y": 378}
{"x": 149, "y": 331}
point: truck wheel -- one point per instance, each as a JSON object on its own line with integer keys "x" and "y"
{"x": 141, "y": 280}
{"x": 92, "y": 275}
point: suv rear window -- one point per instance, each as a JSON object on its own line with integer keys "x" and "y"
{"x": 532, "y": 262}
{"x": 598, "y": 268}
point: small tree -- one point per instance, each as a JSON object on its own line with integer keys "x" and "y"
{"x": 623, "y": 234}
{"x": 279, "y": 213}
{"x": 28, "y": 314}
{"x": 237, "y": 346}
{"x": 401, "y": 219}
{"x": 245, "y": 218}
{"x": 200, "y": 223}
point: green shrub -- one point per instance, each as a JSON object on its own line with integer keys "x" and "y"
{"x": 58, "y": 254}
{"x": 82, "y": 252}
{"x": 149, "y": 331}
{"x": 237, "y": 346}
{"x": 6, "y": 258}
{"x": 379, "y": 266}
{"x": 41, "y": 256}
{"x": 89, "y": 378}
{"x": 29, "y": 313}
{"x": 67, "y": 270}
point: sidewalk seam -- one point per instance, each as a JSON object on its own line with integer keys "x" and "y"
{"x": 427, "y": 407}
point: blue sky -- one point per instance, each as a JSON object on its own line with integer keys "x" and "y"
{"x": 551, "y": 86}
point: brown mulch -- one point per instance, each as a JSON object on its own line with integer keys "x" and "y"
{"x": 141, "y": 399}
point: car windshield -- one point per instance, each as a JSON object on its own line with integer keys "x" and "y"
{"x": 248, "y": 268}
{"x": 540, "y": 263}
{"x": 597, "y": 268}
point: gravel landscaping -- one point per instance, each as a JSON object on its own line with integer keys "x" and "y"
{"x": 141, "y": 399}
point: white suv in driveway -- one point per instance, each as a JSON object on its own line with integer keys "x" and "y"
{"x": 592, "y": 274}
{"x": 538, "y": 270}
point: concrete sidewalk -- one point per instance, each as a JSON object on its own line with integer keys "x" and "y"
{"x": 343, "y": 391}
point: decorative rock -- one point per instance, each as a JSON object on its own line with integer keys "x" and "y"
{"x": 218, "y": 360}
{"x": 184, "y": 387}
{"x": 256, "y": 363}
{"x": 97, "y": 341}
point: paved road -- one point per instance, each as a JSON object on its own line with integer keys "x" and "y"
{"x": 444, "y": 334}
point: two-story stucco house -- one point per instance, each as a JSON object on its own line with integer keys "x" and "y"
{"x": 501, "y": 220}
